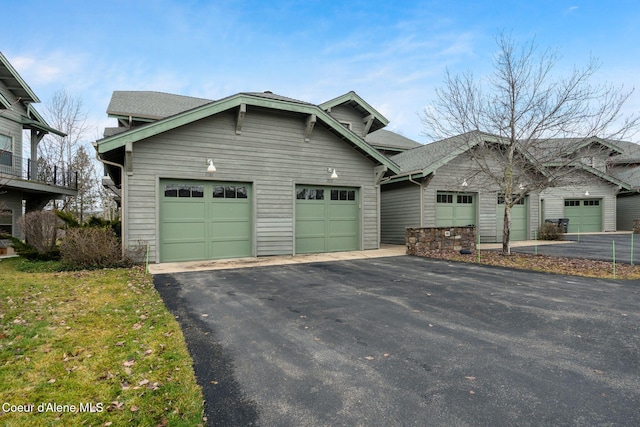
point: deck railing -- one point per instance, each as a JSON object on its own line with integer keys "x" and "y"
{"x": 43, "y": 172}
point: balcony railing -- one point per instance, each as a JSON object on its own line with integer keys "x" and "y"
{"x": 43, "y": 172}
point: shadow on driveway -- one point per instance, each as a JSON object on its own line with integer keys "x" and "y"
{"x": 409, "y": 341}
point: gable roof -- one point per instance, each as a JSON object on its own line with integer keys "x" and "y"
{"x": 354, "y": 101}
{"x": 12, "y": 80}
{"x": 429, "y": 157}
{"x": 264, "y": 100}
{"x": 384, "y": 139}
{"x": 23, "y": 93}
{"x": 149, "y": 105}
{"x": 630, "y": 153}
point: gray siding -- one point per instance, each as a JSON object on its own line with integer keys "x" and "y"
{"x": 400, "y": 208}
{"x": 598, "y": 189}
{"x": 12, "y": 200}
{"x": 270, "y": 153}
{"x": 628, "y": 209}
{"x": 344, "y": 113}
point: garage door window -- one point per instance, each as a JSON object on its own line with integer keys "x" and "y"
{"x": 592, "y": 202}
{"x": 343, "y": 195}
{"x": 309, "y": 194}
{"x": 465, "y": 199}
{"x": 501, "y": 200}
{"x": 572, "y": 202}
{"x": 230, "y": 192}
{"x": 174, "y": 190}
{"x": 444, "y": 198}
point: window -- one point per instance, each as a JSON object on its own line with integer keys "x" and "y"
{"x": 310, "y": 194}
{"x": 444, "y": 198}
{"x": 174, "y": 190}
{"x": 230, "y": 192}
{"x": 572, "y": 203}
{"x": 6, "y": 150}
{"x": 6, "y": 222}
{"x": 501, "y": 200}
{"x": 465, "y": 199}
{"x": 592, "y": 202}
{"x": 343, "y": 194}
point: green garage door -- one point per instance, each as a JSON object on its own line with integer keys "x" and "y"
{"x": 455, "y": 209}
{"x": 585, "y": 215}
{"x": 327, "y": 219}
{"x": 202, "y": 220}
{"x": 519, "y": 219}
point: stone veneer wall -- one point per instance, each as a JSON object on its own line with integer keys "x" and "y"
{"x": 422, "y": 240}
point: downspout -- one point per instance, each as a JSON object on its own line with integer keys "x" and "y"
{"x": 123, "y": 202}
{"x": 421, "y": 201}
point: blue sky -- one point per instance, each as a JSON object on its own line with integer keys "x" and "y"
{"x": 393, "y": 54}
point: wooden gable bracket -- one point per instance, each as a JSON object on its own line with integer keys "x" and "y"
{"x": 241, "y": 112}
{"x": 378, "y": 173}
{"x": 128, "y": 158}
{"x": 310, "y": 123}
{"x": 368, "y": 121}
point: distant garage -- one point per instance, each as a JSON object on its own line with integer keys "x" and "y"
{"x": 585, "y": 215}
{"x": 327, "y": 219}
{"x": 205, "y": 220}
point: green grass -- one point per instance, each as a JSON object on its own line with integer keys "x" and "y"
{"x": 101, "y": 338}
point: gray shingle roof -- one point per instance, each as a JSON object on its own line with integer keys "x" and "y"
{"x": 151, "y": 105}
{"x": 429, "y": 157}
{"x": 386, "y": 139}
{"x": 631, "y": 152}
{"x": 271, "y": 95}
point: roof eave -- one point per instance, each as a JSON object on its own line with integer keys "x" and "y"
{"x": 113, "y": 142}
{"x": 14, "y": 73}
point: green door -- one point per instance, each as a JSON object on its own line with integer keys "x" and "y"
{"x": 519, "y": 219}
{"x": 202, "y": 220}
{"x": 585, "y": 215}
{"x": 455, "y": 209}
{"x": 327, "y": 219}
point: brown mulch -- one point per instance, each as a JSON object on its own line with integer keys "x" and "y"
{"x": 558, "y": 265}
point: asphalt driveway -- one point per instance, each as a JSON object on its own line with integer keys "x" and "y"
{"x": 598, "y": 246}
{"x": 409, "y": 341}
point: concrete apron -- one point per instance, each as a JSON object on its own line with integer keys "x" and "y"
{"x": 180, "y": 267}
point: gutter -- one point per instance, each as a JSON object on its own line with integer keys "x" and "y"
{"x": 124, "y": 198}
{"x": 421, "y": 201}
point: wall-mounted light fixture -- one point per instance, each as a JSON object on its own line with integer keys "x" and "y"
{"x": 586, "y": 193}
{"x": 520, "y": 187}
{"x": 211, "y": 168}
{"x": 464, "y": 183}
{"x": 334, "y": 174}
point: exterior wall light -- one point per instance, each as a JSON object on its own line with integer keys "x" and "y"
{"x": 464, "y": 183}
{"x": 334, "y": 175}
{"x": 586, "y": 193}
{"x": 211, "y": 167}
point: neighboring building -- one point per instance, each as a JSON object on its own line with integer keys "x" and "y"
{"x": 22, "y": 186}
{"x": 626, "y": 167}
{"x": 440, "y": 186}
{"x": 253, "y": 174}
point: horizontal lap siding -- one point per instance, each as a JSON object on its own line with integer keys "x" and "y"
{"x": 598, "y": 189}
{"x": 270, "y": 153}
{"x": 628, "y": 209}
{"x": 400, "y": 208}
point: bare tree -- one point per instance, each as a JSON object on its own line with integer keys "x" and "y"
{"x": 66, "y": 113}
{"x": 524, "y": 128}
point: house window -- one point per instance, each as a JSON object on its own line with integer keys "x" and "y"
{"x": 465, "y": 199}
{"x": 444, "y": 198}
{"x": 6, "y": 222}
{"x": 6, "y": 150}
{"x": 592, "y": 202}
{"x": 572, "y": 203}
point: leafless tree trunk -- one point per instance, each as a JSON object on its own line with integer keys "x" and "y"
{"x": 521, "y": 124}
{"x": 65, "y": 113}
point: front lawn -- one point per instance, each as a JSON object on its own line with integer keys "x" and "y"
{"x": 91, "y": 348}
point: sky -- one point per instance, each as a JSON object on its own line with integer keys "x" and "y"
{"x": 392, "y": 53}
